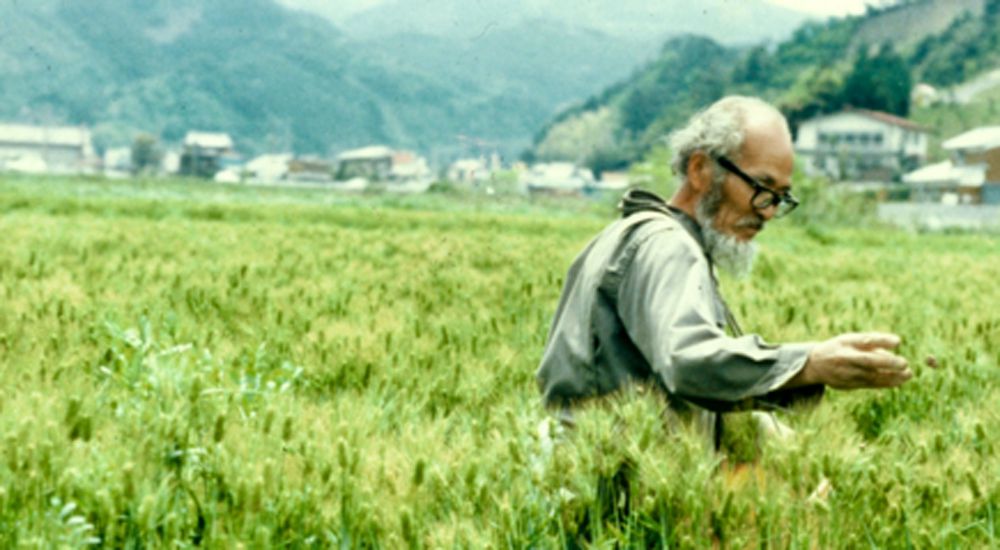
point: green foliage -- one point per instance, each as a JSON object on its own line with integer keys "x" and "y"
{"x": 626, "y": 120}
{"x": 654, "y": 172}
{"x": 818, "y": 45}
{"x": 756, "y": 68}
{"x": 821, "y": 68}
{"x": 970, "y": 45}
{"x": 818, "y": 91}
{"x": 951, "y": 119}
{"x": 692, "y": 72}
{"x": 880, "y": 82}
{"x": 445, "y": 187}
{"x": 605, "y": 160}
{"x": 823, "y": 204}
{"x": 225, "y": 366}
{"x": 589, "y": 136}
{"x": 145, "y": 154}
{"x": 690, "y": 63}
{"x": 195, "y": 164}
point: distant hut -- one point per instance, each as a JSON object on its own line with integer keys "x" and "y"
{"x": 204, "y": 153}
{"x": 372, "y": 163}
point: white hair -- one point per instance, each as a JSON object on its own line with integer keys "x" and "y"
{"x": 716, "y": 131}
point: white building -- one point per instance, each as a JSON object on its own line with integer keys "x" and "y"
{"x": 924, "y": 95}
{"x": 610, "y": 184}
{"x": 860, "y": 145}
{"x": 118, "y": 162}
{"x": 558, "y": 178}
{"x": 472, "y": 171}
{"x": 971, "y": 175}
{"x": 409, "y": 173}
{"x": 46, "y": 149}
{"x": 271, "y": 168}
{"x": 408, "y": 166}
{"x": 171, "y": 162}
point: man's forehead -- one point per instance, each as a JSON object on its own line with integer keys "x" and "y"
{"x": 767, "y": 154}
{"x": 767, "y": 126}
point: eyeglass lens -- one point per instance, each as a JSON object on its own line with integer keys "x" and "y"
{"x": 765, "y": 198}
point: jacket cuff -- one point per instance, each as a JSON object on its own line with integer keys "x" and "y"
{"x": 791, "y": 360}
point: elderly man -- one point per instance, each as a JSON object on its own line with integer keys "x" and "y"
{"x": 641, "y": 304}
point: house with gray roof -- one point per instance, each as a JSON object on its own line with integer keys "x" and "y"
{"x": 47, "y": 149}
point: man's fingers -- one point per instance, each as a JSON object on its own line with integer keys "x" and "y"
{"x": 891, "y": 379}
{"x": 881, "y": 378}
{"x": 879, "y": 359}
{"x": 871, "y": 340}
{"x": 872, "y": 378}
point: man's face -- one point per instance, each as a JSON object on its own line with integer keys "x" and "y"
{"x": 766, "y": 156}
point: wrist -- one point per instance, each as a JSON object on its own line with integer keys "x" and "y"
{"x": 805, "y": 377}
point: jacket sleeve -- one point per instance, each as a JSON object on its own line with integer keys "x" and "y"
{"x": 668, "y": 304}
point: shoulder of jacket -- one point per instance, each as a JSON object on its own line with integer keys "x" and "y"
{"x": 645, "y": 223}
{"x": 666, "y": 236}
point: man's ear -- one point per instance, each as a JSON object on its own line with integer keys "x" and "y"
{"x": 699, "y": 172}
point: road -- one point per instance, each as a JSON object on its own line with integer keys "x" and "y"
{"x": 940, "y": 216}
{"x": 964, "y": 93}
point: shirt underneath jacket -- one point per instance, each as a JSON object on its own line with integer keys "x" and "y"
{"x": 641, "y": 305}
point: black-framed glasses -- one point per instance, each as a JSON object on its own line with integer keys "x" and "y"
{"x": 763, "y": 196}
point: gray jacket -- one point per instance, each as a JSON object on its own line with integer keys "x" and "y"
{"x": 641, "y": 305}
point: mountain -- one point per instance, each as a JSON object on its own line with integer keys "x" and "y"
{"x": 743, "y": 22}
{"x": 609, "y": 128}
{"x": 553, "y": 51}
{"x": 278, "y": 79}
{"x": 865, "y": 61}
{"x": 440, "y": 76}
{"x": 556, "y": 51}
{"x": 541, "y": 61}
{"x": 273, "y": 78}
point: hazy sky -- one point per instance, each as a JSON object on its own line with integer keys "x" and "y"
{"x": 339, "y": 9}
{"x": 826, "y": 7}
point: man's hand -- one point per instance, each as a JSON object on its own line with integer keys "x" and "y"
{"x": 851, "y": 361}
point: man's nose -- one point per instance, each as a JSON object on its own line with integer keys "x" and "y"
{"x": 768, "y": 212}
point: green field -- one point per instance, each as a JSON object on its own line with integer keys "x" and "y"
{"x": 188, "y": 364}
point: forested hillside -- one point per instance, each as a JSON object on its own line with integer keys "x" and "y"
{"x": 870, "y": 61}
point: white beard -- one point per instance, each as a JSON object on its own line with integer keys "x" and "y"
{"x": 730, "y": 254}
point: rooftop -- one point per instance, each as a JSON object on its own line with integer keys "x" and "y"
{"x": 984, "y": 137}
{"x": 880, "y": 116}
{"x": 49, "y": 135}
{"x": 945, "y": 173}
{"x": 208, "y": 140}
{"x": 889, "y": 118}
{"x": 372, "y": 152}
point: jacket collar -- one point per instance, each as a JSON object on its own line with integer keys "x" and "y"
{"x": 641, "y": 200}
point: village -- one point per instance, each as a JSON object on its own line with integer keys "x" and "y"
{"x": 500, "y": 274}
{"x": 858, "y": 149}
